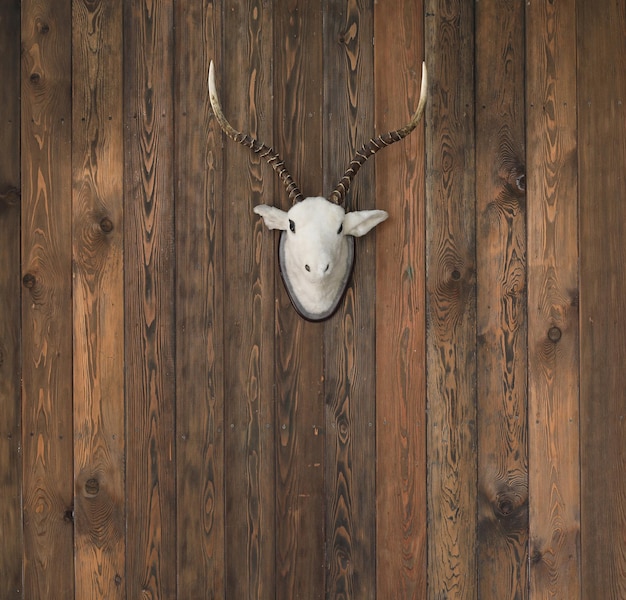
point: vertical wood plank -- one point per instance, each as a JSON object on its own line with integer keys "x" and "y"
{"x": 248, "y": 306}
{"x": 300, "y": 440}
{"x": 47, "y": 299}
{"x": 501, "y": 301}
{"x": 450, "y": 291}
{"x": 98, "y": 298}
{"x": 10, "y": 363}
{"x": 554, "y": 514}
{"x": 199, "y": 309}
{"x": 349, "y": 358}
{"x": 149, "y": 283}
{"x": 400, "y": 309}
{"x": 601, "y": 159}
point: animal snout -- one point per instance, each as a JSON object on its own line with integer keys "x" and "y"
{"x": 320, "y": 271}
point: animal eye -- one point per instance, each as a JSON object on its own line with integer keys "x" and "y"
{"x": 340, "y": 229}
{"x": 307, "y": 268}
{"x": 292, "y": 226}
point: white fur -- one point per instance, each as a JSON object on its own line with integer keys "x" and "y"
{"x": 317, "y": 261}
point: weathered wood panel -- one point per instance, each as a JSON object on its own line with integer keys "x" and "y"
{"x": 349, "y": 357}
{"x": 602, "y": 222}
{"x": 553, "y": 424}
{"x": 400, "y": 308}
{"x": 47, "y": 438}
{"x": 149, "y": 307}
{"x": 501, "y": 301}
{"x": 98, "y": 299}
{"x": 10, "y": 335}
{"x": 451, "y": 311}
{"x": 299, "y": 368}
{"x": 248, "y": 307}
{"x": 199, "y": 309}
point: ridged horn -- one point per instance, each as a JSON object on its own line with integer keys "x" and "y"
{"x": 375, "y": 144}
{"x": 271, "y": 156}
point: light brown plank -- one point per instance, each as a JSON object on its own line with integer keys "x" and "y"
{"x": 98, "y": 299}
{"x": 501, "y": 301}
{"x": 349, "y": 358}
{"x": 47, "y": 300}
{"x": 245, "y": 92}
{"x": 553, "y": 443}
{"x": 298, "y": 372}
{"x": 400, "y": 309}
{"x": 602, "y": 222}
{"x": 149, "y": 306}
{"x": 451, "y": 311}
{"x": 10, "y": 321}
{"x": 199, "y": 310}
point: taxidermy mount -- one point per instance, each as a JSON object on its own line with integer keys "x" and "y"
{"x": 316, "y": 247}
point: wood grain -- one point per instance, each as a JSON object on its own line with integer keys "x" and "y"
{"x": 501, "y": 301}
{"x": 400, "y": 309}
{"x": 47, "y": 300}
{"x": 248, "y": 308}
{"x": 450, "y": 290}
{"x": 149, "y": 306}
{"x": 199, "y": 310}
{"x": 98, "y": 299}
{"x": 10, "y": 316}
{"x": 299, "y": 367}
{"x": 601, "y": 69}
{"x": 553, "y": 367}
{"x": 350, "y": 335}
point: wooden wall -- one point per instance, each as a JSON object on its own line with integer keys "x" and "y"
{"x": 170, "y": 428}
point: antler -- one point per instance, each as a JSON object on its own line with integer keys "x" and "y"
{"x": 378, "y": 143}
{"x": 271, "y": 156}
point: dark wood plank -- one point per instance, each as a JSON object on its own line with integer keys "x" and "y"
{"x": 199, "y": 310}
{"x": 98, "y": 298}
{"x": 501, "y": 301}
{"x": 451, "y": 311}
{"x": 245, "y": 91}
{"x": 149, "y": 306}
{"x": 300, "y": 440}
{"x": 47, "y": 299}
{"x": 400, "y": 309}
{"x": 602, "y": 221}
{"x": 10, "y": 423}
{"x": 349, "y": 359}
{"x": 553, "y": 442}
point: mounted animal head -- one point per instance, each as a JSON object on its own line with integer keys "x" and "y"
{"x": 316, "y": 248}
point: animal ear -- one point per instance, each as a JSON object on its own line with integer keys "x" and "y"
{"x": 273, "y": 217}
{"x": 359, "y": 222}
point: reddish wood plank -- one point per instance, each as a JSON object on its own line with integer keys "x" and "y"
{"x": 149, "y": 307}
{"x": 98, "y": 298}
{"x": 245, "y": 92}
{"x": 10, "y": 375}
{"x": 199, "y": 310}
{"x": 298, "y": 369}
{"x": 451, "y": 311}
{"x": 349, "y": 358}
{"x": 47, "y": 299}
{"x": 400, "y": 309}
{"x": 553, "y": 442}
{"x": 501, "y": 301}
{"x": 601, "y": 111}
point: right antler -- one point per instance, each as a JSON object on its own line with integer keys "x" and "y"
{"x": 271, "y": 156}
{"x": 375, "y": 144}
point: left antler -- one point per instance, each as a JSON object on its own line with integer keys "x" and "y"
{"x": 270, "y": 155}
{"x": 375, "y": 144}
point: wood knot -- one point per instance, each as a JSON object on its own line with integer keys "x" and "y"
{"x": 35, "y": 78}
{"x": 554, "y": 334}
{"x": 106, "y": 225}
{"x": 29, "y": 281}
{"x": 92, "y": 487}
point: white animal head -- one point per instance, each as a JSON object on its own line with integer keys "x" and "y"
{"x": 316, "y": 249}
